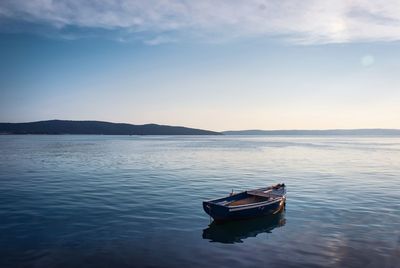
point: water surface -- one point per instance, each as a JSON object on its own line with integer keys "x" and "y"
{"x": 130, "y": 201}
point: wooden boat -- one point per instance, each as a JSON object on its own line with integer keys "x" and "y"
{"x": 247, "y": 204}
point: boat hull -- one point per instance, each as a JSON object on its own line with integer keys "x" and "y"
{"x": 226, "y": 214}
{"x": 220, "y": 210}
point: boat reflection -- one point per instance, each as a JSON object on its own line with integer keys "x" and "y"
{"x": 237, "y": 231}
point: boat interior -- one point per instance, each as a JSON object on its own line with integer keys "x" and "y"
{"x": 253, "y": 196}
{"x": 248, "y": 200}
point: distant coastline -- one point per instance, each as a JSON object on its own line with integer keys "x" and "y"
{"x": 328, "y": 132}
{"x": 62, "y": 127}
{"x": 59, "y": 127}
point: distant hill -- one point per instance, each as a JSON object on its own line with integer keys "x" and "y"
{"x": 343, "y": 132}
{"x": 107, "y": 128}
{"x": 97, "y": 127}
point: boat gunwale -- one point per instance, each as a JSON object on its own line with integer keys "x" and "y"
{"x": 278, "y": 197}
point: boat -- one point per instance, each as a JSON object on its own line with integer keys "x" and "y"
{"x": 247, "y": 204}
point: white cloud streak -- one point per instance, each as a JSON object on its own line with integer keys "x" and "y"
{"x": 160, "y": 21}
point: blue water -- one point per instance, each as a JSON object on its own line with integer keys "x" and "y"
{"x": 126, "y": 201}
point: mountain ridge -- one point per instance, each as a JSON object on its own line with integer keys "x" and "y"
{"x": 92, "y": 127}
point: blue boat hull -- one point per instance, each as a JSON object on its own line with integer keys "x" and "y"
{"x": 225, "y": 214}
{"x": 221, "y": 212}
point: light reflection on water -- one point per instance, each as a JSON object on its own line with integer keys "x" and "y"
{"x": 119, "y": 201}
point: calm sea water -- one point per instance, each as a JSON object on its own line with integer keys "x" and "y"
{"x": 126, "y": 201}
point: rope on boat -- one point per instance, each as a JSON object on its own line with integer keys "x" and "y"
{"x": 281, "y": 204}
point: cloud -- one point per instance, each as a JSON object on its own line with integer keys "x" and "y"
{"x": 159, "y": 40}
{"x": 160, "y": 21}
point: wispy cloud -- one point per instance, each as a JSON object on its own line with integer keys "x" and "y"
{"x": 160, "y": 21}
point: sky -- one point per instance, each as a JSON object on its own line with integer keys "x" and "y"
{"x": 218, "y": 65}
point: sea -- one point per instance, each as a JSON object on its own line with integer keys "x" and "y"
{"x": 136, "y": 201}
